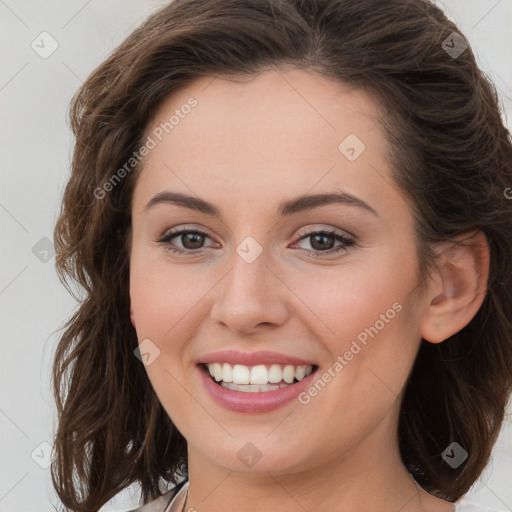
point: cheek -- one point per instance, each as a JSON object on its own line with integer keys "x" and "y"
{"x": 160, "y": 292}
{"x": 369, "y": 320}
{"x": 350, "y": 299}
{"x": 163, "y": 302}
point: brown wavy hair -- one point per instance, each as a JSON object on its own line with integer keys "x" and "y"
{"x": 450, "y": 153}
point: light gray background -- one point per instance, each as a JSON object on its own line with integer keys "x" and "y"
{"x": 36, "y": 145}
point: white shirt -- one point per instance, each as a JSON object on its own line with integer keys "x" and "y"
{"x": 162, "y": 504}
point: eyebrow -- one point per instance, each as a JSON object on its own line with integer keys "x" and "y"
{"x": 288, "y": 207}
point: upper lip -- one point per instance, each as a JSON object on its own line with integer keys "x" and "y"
{"x": 252, "y": 358}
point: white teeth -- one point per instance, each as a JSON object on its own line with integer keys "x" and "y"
{"x": 259, "y": 375}
{"x": 241, "y": 374}
{"x": 300, "y": 372}
{"x": 227, "y": 373}
{"x": 289, "y": 373}
{"x": 217, "y": 371}
{"x": 275, "y": 374}
{"x": 252, "y": 388}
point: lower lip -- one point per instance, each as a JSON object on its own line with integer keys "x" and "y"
{"x": 263, "y": 401}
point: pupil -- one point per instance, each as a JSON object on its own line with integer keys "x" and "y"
{"x": 197, "y": 237}
{"x": 323, "y": 237}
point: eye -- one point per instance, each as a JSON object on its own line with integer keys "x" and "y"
{"x": 323, "y": 240}
{"x": 191, "y": 241}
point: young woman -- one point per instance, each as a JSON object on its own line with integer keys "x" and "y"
{"x": 291, "y": 227}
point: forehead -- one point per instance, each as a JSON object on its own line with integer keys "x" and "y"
{"x": 274, "y": 108}
{"x": 278, "y": 130}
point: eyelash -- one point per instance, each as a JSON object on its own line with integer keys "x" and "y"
{"x": 347, "y": 242}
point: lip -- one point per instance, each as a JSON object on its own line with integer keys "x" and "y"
{"x": 264, "y": 401}
{"x": 253, "y": 358}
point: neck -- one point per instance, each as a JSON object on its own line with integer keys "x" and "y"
{"x": 369, "y": 475}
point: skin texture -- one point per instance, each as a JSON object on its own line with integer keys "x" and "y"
{"x": 246, "y": 147}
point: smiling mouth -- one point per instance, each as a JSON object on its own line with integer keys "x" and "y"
{"x": 264, "y": 376}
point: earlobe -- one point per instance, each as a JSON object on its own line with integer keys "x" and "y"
{"x": 459, "y": 289}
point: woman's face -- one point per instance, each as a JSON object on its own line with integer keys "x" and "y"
{"x": 259, "y": 276}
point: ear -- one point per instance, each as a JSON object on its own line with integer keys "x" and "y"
{"x": 132, "y": 318}
{"x": 458, "y": 286}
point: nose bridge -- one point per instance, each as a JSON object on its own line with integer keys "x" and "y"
{"x": 249, "y": 277}
{"x": 249, "y": 293}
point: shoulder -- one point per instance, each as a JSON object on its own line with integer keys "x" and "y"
{"x": 157, "y": 505}
{"x": 467, "y": 506}
{"x": 160, "y": 504}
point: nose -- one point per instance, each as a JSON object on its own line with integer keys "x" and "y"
{"x": 250, "y": 296}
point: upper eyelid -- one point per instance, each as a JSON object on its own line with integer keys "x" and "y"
{"x": 337, "y": 231}
{"x": 303, "y": 233}
{"x": 179, "y": 230}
